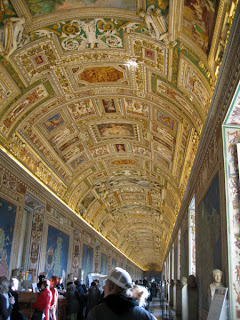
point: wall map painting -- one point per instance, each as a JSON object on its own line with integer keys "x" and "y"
{"x": 7, "y": 221}
{"x": 87, "y": 262}
{"x": 57, "y": 253}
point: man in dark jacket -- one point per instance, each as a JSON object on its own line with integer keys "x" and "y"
{"x": 117, "y": 303}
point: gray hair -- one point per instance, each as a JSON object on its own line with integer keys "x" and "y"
{"x": 4, "y": 285}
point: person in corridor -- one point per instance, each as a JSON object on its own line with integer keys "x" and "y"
{"x": 118, "y": 302}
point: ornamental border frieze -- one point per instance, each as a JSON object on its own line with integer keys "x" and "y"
{"x": 184, "y": 65}
{"x": 9, "y": 181}
{"x": 8, "y": 88}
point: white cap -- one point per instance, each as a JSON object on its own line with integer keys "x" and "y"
{"x": 120, "y": 277}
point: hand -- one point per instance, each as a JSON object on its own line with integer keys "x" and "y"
{"x": 11, "y": 300}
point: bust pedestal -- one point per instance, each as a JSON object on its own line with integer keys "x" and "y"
{"x": 184, "y": 302}
{"x": 171, "y": 294}
{"x": 192, "y": 303}
{"x": 174, "y": 295}
{"x": 178, "y": 298}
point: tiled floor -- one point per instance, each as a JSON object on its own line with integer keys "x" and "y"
{"x": 160, "y": 309}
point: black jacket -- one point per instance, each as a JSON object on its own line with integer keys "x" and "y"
{"x": 116, "y": 307}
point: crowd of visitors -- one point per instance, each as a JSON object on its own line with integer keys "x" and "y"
{"x": 119, "y": 298}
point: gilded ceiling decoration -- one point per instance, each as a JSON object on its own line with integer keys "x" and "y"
{"x": 105, "y": 102}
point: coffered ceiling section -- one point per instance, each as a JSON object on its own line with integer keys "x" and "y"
{"x": 105, "y": 102}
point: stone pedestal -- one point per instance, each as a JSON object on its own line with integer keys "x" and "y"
{"x": 170, "y": 299}
{"x": 174, "y": 295}
{"x": 178, "y": 298}
{"x": 165, "y": 289}
{"x": 184, "y": 303}
{"x": 192, "y": 303}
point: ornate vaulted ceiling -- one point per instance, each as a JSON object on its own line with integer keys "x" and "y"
{"x": 105, "y": 102}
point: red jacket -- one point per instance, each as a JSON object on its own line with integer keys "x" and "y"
{"x": 43, "y": 302}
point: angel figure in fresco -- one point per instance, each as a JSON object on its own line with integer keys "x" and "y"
{"x": 13, "y": 31}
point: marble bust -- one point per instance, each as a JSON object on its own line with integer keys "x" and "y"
{"x": 184, "y": 281}
{"x": 217, "y": 282}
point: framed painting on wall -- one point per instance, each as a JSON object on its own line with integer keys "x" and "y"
{"x": 7, "y": 222}
{"x": 57, "y": 253}
{"x": 87, "y": 262}
{"x": 104, "y": 262}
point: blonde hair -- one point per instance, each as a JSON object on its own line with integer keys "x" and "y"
{"x": 140, "y": 293}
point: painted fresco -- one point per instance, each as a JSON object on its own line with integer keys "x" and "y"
{"x": 209, "y": 246}
{"x": 100, "y": 74}
{"x": 88, "y": 199}
{"x": 120, "y": 147}
{"x": 33, "y": 97}
{"x": 81, "y": 109}
{"x": 198, "y": 21}
{"x": 104, "y": 262}
{"x": 117, "y": 183}
{"x": 53, "y": 122}
{"x": 109, "y": 105}
{"x": 136, "y": 107}
{"x": 57, "y": 253}
{"x": 166, "y": 120}
{"x": 68, "y": 143}
{"x": 101, "y": 151}
{"x": 7, "y": 221}
{"x": 71, "y": 153}
{"x": 116, "y": 129}
{"x": 184, "y": 254}
{"x": 75, "y": 163}
{"x": 38, "y": 8}
{"x": 36, "y": 234}
{"x": 87, "y": 262}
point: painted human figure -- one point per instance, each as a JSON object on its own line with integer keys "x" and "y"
{"x": 13, "y": 30}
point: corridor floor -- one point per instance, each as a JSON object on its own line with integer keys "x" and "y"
{"x": 161, "y": 311}
{"x": 155, "y": 308}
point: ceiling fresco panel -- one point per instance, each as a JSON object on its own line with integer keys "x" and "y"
{"x": 105, "y": 102}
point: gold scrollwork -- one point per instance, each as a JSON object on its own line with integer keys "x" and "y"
{"x": 70, "y": 28}
{"x": 108, "y": 26}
